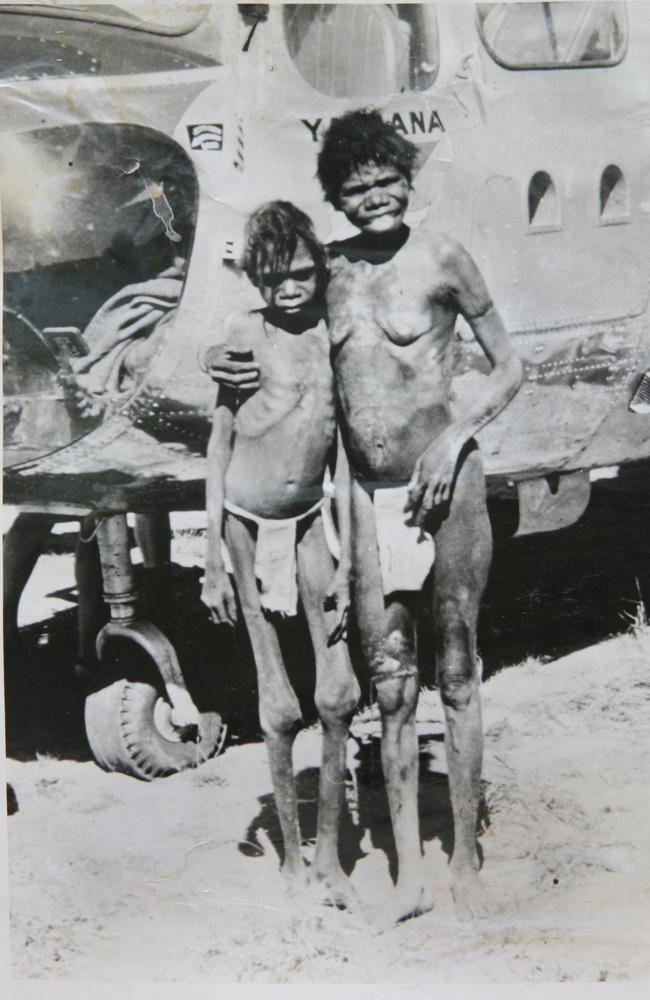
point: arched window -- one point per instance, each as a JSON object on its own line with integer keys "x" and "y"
{"x": 543, "y": 202}
{"x": 614, "y": 202}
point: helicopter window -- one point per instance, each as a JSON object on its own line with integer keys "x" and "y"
{"x": 553, "y": 35}
{"x": 614, "y": 203}
{"x": 543, "y": 203}
{"x": 363, "y": 50}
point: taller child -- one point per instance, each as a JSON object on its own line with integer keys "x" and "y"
{"x": 393, "y": 298}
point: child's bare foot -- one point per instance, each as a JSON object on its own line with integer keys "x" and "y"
{"x": 295, "y": 881}
{"x": 412, "y": 898}
{"x": 471, "y": 898}
{"x": 335, "y": 888}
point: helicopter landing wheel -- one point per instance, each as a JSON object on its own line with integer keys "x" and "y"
{"x": 130, "y": 729}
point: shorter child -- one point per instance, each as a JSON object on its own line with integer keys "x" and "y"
{"x": 267, "y": 458}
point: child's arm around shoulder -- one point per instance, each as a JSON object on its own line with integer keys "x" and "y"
{"x": 217, "y": 593}
{"x": 231, "y": 363}
{"x": 338, "y": 591}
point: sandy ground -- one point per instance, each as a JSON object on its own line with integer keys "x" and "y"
{"x": 113, "y": 879}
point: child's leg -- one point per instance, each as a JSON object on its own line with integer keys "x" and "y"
{"x": 92, "y": 612}
{"x": 153, "y": 535}
{"x": 280, "y": 715}
{"x": 22, "y": 546}
{"x": 337, "y": 694}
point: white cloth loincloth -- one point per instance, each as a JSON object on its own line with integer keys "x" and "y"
{"x": 406, "y": 552}
{"x": 276, "y": 570}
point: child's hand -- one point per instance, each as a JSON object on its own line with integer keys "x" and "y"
{"x": 338, "y": 596}
{"x": 433, "y": 477}
{"x": 219, "y": 597}
{"x": 232, "y": 369}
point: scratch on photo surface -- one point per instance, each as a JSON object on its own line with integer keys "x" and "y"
{"x": 197, "y": 847}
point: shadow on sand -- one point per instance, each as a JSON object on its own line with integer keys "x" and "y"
{"x": 365, "y": 819}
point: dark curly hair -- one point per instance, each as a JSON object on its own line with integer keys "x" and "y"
{"x": 271, "y": 237}
{"x": 356, "y": 138}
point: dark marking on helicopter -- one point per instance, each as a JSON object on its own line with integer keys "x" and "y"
{"x": 313, "y": 128}
{"x": 252, "y": 14}
{"x": 411, "y": 123}
{"x": 163, "y": 211}
{"x": 208, "y": 137}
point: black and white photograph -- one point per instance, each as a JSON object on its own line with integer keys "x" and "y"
{"x": 326, "y": 504}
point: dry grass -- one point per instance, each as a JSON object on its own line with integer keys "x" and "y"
{"x": 638, "y": 623}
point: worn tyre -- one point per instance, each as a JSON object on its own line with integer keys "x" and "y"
{"x": 129, "y": 729}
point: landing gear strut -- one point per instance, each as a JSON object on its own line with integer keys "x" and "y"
{"x": 132, "y": 726}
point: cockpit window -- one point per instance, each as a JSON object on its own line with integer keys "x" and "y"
{"x": 78, "y": 225}
{"x": 363, "y": 50}
{"x": 81, "y": 225}
{"x": 39, "y": 42}
{"x": 553, "y": 35}
{"x": 157, "y": 18}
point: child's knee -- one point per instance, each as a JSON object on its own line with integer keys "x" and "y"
{"x": 279, "y": 716}
{"x": 337, "y": 698}
{"x": 396, "y": 683}
{"x": 395, "y": 673}
{"x": 457, "y": 662}
{"x": 458, "y": 677}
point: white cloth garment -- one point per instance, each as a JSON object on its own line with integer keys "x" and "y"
{"x": 275, "y": 557}
{"x": 406, "y": 552}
